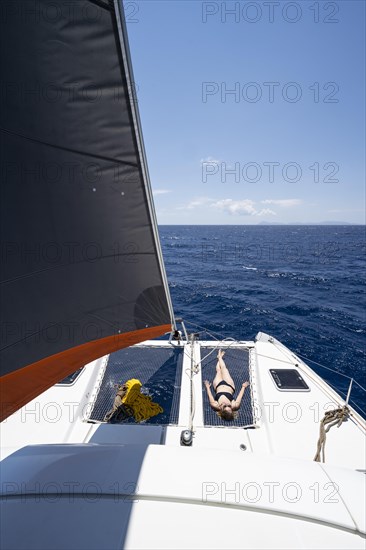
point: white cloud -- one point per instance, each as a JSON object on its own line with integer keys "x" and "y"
{"x": 266, "y": 211}
{"x": 245, "y": 207}
{"x": 210, "y": 160}
{"x": 161, "y": 191}
{"x": 241, "y": 207}
{"x": 285, "y": 203}
{"x": 199, "y": 201}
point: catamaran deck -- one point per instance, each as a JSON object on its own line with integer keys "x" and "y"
{"x": 258, "y": 472}
{"x": 281, "y": 423}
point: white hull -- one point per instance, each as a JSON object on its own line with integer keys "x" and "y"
{"x": 97, "y": 485}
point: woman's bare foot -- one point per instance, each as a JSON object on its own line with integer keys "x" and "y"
{"x": 220, "y": 354}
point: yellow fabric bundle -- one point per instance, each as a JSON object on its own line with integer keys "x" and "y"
{"x": 142, "y": 406}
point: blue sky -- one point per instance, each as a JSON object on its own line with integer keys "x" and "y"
{"x": 252, "y": 112}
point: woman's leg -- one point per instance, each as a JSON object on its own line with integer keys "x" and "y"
{"x": 218, "y": 378}
{"x": 225, "y": 374}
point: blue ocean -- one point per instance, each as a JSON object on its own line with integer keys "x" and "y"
{"x": 304, "y": 285}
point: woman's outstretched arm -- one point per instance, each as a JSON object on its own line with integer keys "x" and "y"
{"x": 214, "y": 404}
{"x": 240, "y": 396}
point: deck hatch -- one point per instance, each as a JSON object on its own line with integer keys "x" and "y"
{"x": 288, "y": 380}
{"x": 158, "y": 368}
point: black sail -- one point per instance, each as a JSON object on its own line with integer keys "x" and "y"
{"x": 81, "y": 263}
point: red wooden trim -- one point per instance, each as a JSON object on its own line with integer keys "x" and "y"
{"x": 21, "y": 386}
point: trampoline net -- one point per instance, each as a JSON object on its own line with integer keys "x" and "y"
{"x": 237, "y": 362}
{"x": 159, "y": 370}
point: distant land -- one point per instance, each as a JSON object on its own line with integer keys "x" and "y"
{"x": 265, "y": 223}
{"x": 309, "y": 223}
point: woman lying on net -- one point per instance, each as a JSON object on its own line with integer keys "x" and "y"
{"x": 224, "y": 403}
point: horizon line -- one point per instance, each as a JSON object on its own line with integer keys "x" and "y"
{"x": 345, "y": 224}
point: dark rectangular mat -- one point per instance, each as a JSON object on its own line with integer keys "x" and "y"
{"x": 158, "y": 369}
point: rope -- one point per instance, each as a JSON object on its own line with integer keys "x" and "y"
{"x": 141, "y": 404}
{"x": 121, "y": 414}
{"x": 129, "y": 401}
{"x": 193, "y": 402}
{"x": 331, "y": 418}
{"x": 206, "y": 330}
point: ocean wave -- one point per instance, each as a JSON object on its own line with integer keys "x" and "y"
{"x": 315, "y": 308}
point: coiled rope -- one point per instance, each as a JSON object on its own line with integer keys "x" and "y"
{"x": 331, "y": 418}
